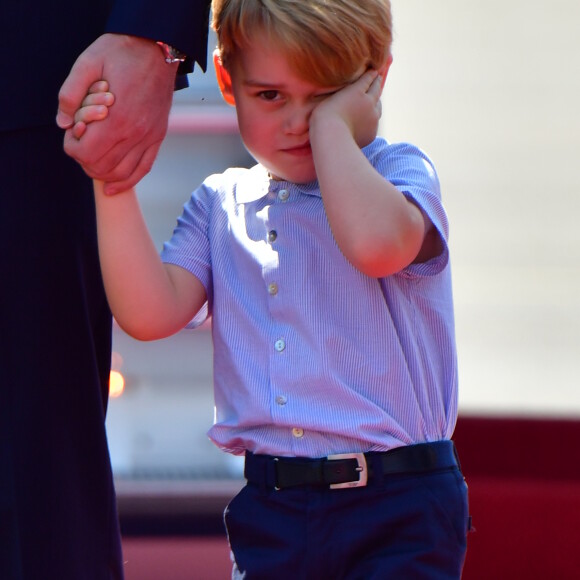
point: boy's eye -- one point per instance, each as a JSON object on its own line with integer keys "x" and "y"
{"x": 269, "y": 95}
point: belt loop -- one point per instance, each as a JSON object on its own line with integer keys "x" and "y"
{"x": 456, "y": 455}
{"x": 271, "y": 479}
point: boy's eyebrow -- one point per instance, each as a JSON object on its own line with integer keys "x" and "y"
{"x": 259, "y": 83}
{"x": 255, "y": 83}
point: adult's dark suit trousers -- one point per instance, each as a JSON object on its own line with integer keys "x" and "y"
{"x": 60, "y": 519}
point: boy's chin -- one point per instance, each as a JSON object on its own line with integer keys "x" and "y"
{"x": 299, "y": 177}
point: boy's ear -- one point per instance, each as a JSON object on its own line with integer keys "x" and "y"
{"x": 223, "y": 78}
{"x": 384, "y": 70}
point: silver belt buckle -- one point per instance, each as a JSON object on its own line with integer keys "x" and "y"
{"x": 362, "y": 470}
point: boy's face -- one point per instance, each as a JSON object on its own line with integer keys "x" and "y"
{"x": 273, "y": 107}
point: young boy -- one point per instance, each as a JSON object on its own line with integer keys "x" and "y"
{"x": 326, "y": 272}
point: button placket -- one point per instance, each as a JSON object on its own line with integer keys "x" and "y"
{"x": 273, "y": 277}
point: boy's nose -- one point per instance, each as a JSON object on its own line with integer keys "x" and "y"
{"x": 298, "y": 120}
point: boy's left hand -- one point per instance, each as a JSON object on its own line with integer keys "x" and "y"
{"x": 95, "y": 107}
{"x": 357, "y": 105}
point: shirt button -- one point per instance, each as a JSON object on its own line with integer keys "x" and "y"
{"x": 272, "y": 235}
{"x": 280, "y": 345}
{"x": 297, "y": 432}
{"x": 281, "y": 400}
{"x": 283, "y": 194}
{"x": 273, "y": 288}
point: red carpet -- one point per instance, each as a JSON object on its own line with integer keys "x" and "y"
{"x": 194, "y": 558}
{"x": 524, "y": 486}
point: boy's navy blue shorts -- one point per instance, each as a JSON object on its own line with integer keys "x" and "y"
{"x": 401, "y": 524}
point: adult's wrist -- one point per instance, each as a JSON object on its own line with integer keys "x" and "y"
{"x": 175, "y": 62}
{"x": 151, "y": 53}
{"x": 171, "y": 54}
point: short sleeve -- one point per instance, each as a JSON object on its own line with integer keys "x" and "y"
{"x": 412, "y": 172}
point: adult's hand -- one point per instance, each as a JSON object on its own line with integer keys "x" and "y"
{"x": 121, "y": 149}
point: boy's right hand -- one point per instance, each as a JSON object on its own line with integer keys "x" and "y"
{"x": 95, "y": 107}
{"x": 357, "y": 105}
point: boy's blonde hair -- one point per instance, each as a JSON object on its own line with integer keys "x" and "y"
{"x": 326, "y": 41}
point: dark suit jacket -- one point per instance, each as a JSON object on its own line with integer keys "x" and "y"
{"x": 58, "y": 517}
{"x": 40, "y": 41}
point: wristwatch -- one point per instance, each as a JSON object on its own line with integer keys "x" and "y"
{"x": 171, "y": 54}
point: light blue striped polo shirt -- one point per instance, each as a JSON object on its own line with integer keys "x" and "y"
{"x": 312, "y": 357}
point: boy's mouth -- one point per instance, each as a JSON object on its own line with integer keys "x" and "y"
{"x": 300, "y": 150}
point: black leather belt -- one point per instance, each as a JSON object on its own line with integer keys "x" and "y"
{"x": 348, "y": 469}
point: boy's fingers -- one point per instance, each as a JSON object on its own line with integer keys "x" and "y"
{"x": 376, "y": 86}
{"x": 370, "y": 78}
{"x": 99, "y": 87}
{"x": 106, "y": 99}
{"x": 90, "y": 113}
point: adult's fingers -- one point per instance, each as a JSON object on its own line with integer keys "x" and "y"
{"x": 114, "y": 150}
{"x": 142, "y": 168}
{"x": 119, "y": 159}
{"x": 78, "y": 129}
{"x": 82, "y": 75}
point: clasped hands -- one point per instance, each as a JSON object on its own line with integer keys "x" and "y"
{"x": 122, "y": 148}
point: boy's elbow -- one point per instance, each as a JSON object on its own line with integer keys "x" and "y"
{"x": 380, "y": 264}
{"x": 143, "y": 330}
{"x": 380, "y": 257}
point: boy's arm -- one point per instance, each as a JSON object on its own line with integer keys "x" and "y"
{"x": 148, "y": 298}
{"x": 378, "y": 230}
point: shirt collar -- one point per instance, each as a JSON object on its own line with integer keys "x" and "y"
{"x": 257, "y": 183}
